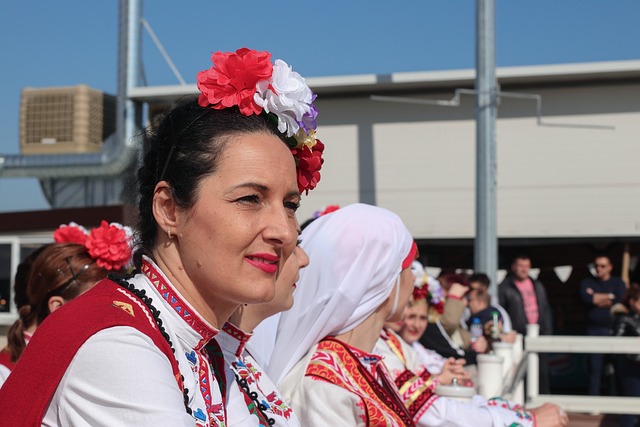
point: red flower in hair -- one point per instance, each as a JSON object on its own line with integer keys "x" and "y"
{"x": 233, "y": 78}
{"x": 72, "y": 233}
{"x": 438, "y": 307}
{"x": 309, "y": 161}
{"x": 109, "y": 246}
{"x": 420, "y": 293}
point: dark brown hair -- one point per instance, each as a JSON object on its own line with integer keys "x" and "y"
{"x": 183, "y": 150}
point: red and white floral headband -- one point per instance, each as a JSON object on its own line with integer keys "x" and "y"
{"x": 108, "y": 244}
{"x": 249, "y": 80}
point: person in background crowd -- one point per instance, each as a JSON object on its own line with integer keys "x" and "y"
{"x": 9, "y": 355}
{"x": 456, "y": 287}
{"x": 415, "y": 383}
{"x": 436, "y": 337}
{"x": 525, "y": 301}
{"x": 416, "y": 319}
{"x": 66, "y": 269}
{"x": 600, "y": 293}
{"x": 626, "y": 323}
{"x": 482, "y": 281}
{"x": 480, "y": 308}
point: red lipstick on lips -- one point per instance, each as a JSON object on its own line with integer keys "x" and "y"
{"x": 265, "y": 262}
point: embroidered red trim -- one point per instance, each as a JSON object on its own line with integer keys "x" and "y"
{"x": 183, "y": 308}
{"x": 362, "y": 383}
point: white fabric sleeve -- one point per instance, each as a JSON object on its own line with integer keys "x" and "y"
{"x": 4, "y": 373}
{"x": 118, "y": 377}
{"x": 318, "y": 403}
{"x": 452, "y": 413}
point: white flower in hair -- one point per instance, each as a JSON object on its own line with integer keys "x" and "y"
{"x": 291, "y": 100}
{"x": 418, "y": 273}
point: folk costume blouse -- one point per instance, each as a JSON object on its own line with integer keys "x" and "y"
{"x": 415, "y": 383}
{"x": 429, "y": 358}
{"x": 6, "y": 365}
{"x": 241, "y": 408}
{"x": 417, "y": 390}
{"x": 344, "y": 386}
{"x": 124, "y": 371}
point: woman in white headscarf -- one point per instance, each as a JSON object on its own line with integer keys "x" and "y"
{"x": 359, "y": 278}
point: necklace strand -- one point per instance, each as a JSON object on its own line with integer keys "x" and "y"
{"x": 244, "y": 385}
{"x": 148, "y": 301}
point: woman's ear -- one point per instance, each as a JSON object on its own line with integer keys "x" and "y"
{"x": 55, "y": 302}
{"x": 164, "y": 207}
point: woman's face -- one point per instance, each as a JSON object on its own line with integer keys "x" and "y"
{"x": 242, "y": 227}
{"x": 415, "y": 322}
{"x": 285, "y": 285}
{"x": 406, "y": 288}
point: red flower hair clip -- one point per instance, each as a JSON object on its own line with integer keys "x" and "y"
{"x": 108, "y": 244}
{"x": 249, "y": 80}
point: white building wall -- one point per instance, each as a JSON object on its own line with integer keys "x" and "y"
{"x": 552, "y": 181}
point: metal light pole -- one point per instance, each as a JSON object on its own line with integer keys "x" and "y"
{"x": 486, "y": 242}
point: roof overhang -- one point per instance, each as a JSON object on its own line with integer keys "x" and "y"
{"x": 587, "y": 72}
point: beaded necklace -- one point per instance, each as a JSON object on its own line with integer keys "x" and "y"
{"x": 148, "y": 302}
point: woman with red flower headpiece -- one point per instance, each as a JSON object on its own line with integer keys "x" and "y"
{"x": 58, "y": 273}
{"x": 219, "y": 186}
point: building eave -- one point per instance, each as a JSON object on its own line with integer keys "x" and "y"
{"x": 430, "y": 80}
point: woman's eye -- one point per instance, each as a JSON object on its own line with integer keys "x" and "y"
{"x": 292, "y": 205}
{"x": 251, "y": 199}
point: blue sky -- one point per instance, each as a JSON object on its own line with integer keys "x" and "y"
{"x": 69, "y": 42}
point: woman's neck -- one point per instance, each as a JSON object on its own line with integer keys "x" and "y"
{"x": 245, "y": 318}
{"x": 365, "y": 335}
{"x": 216, "y": 316}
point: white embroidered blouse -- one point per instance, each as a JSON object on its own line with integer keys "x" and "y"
{"x": 447, "y": 412}
{"x": 122, "y": 368}
{"x": 233, "y": 342}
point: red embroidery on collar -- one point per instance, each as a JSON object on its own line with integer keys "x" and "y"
{"x": 169, "y": 294}
{"x": 238, "y": 334}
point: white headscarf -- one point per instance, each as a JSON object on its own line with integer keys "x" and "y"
{"x": 355, "y": 259}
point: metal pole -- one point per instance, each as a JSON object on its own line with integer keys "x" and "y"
{"x": 486, "y": 247}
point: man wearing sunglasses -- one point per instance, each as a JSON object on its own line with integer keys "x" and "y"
{"x": 599, "y": 293}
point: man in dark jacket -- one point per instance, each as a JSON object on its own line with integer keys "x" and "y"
{"x": 525, "y": 300}
{"x": 599, "y": 293}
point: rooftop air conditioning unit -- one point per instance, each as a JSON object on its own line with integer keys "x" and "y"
{"x": 61, "y": 120}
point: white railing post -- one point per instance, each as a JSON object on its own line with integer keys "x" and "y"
{"x": 489, "y": 375}
{"x": 505, "y": 350}
{"x": 533, "y": 365}
{"x": 518, "y": 393}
